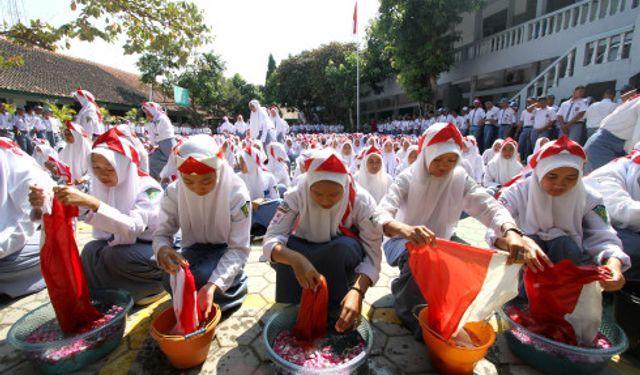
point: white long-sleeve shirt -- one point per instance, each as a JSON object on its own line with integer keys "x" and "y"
{"x": 159, "y": 130}
{"x": 237, "y": 240}
{"x": 624, "y": 122}
{"x": 360, "y": 217}
{"x": 599, "y": 239}
{"x": 598, "y": 111}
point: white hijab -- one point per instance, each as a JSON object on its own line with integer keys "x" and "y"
{"x": 77, "y": 155}
{"x": 389, "y": 159}
{"x": 503, "y": 169}
{"x": 435, "y": 202}
{"x": 405, "y": 161}
{"x": 259, "y": 120}
{"x": 376, "y": 184}
{"x": 489, "y": 153}
{"x": 316, "y": 224}
{"x": 552, "y": 217}
{"x": 278, "y": 162}
{"x": 255, "y": 178}
{"x": 42, "y": 151}
{"x": 348, "y": 159}
{"x": 123, "y": 157}
{"x": 472, "y": 155}
{"x": 205, "y": 219}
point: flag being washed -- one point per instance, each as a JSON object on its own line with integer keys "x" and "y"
{"x": 185, "y": 301}
{"x": 461, "y": 283}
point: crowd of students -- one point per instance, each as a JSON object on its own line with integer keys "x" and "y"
{"x": 335, "y": 204}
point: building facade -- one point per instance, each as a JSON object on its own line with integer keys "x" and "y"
{"x": 522, "y": 48}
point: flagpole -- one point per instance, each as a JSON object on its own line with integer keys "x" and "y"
{"x": 357, "y": 74}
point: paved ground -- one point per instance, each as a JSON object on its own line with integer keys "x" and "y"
{"x": 237, "y": 348}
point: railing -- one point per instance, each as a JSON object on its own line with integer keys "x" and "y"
{"x": 607, "y": 47}
{"x": 578, "y": 14}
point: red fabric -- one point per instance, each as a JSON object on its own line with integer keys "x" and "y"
{"x": 189, "y": 312}
{"x": 332, "y": 164}
{"x": 63, "y": 273}
{"x": 61, "y": 169}
{"x": 311, "y": 323}
{"x": 193, "y": 166}
{"x": 553, "y": 293}
{"x": 450, "y": 131}
{"x": 562, "y": 144}
{"x": 355, "y": 19}
{"x": 449, "y": 277}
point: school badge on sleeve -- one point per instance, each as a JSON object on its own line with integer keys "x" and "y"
{"x": 246, "y": 207}
{"x": 602, "y": 212}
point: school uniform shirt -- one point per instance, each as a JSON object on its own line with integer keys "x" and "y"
{"x": 500, "y": 170}
{"x": 39, "y": 124}
{"x": 278, "y": 163}
{"x": 226, "y": 127}
{"x": 52, "y": 124}
{"x": 6, "y": 121}
{"x": 624, "y": 122}
{"x": 18, "y": 171}
{"x": 570, "y": 108}
{"x": 223, "y": 216}
{"x": 281, "y": 126}
{"x": 491, "y": 114}
{"x": 506, "y": 116}
{"x": 598, "y": 111}
{"x": 476, "y": 116}
{"x": 312, "y": 223}
{"x": 159, "y": 129}
{"x": 527, "y": 118}
{"x": 542, "y": 117}
{"x": 240, "y": 126}
{"x": 619, "y": 184}
{"x": 89, "y": 116}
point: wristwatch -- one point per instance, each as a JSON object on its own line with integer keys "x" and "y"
{"x": 513, "y": 229}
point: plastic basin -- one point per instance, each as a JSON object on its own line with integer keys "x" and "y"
{"x": 184, "y": 351}
{"x": 96, "y": 343}
{"x": 448, "y": 358}
{"x": 285, "y": 319}
{"x": 626, "y": 311}
{"x": 556, "y": 358}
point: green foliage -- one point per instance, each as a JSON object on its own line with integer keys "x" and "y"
{"x": 237, "y": 95}
{"x": 376, "y": 60}
{"x": 269, "y": 90}
{"x": 318, "y": 82}
{"x": 205, "y": 81}
{"x": 63, "y": 113}
{"x": 131, "y": 114}
{"x": 419, "y": 37}
{"x": 271, "y": 66}
{"x": 11, "y": 108}
{"x": 170, "y": 30}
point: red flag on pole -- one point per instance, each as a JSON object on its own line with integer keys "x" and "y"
{"x": 355, "y": 19}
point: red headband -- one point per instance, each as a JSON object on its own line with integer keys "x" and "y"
{"x": 562, "y": 144}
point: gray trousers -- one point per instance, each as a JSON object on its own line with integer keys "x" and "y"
{"x": 20, "y": 272}
{"x": 335, "y": 260}
{"x": 129, "y": 267}
{"x": 159, "y": 157}
{"x": 602, "y": 148}
{"x": 203, "y": 259}
{"x": 406, "y": 293}
{"x": 525, "y": 144}
{"x": 577, "y": 132}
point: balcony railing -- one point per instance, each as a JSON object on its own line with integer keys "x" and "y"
{"x": 561, "y": 20}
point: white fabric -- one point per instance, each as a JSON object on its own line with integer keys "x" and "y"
{"x": 376, "y": 184}
{"x": 260, "y": 123}
{"x": 176, "y": 281}
{"x": 624, "y": 123}
{"x": 390, "y": 160}
{"x": 278, "y": 163}
{"x": 41, "y": 153}
{"x": 404, "y": 164}
{"x": 489, "y": 153}
{"x": 89, "y": 116}
{"x": 256, "y": 177}
{"x": 586, "y": 316}
{"x": 226, "y": 127}
{"x": 472, "y": 156}
{"x": 598, "y": 111}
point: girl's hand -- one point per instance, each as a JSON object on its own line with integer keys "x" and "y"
{"x": 350, "y": 310}
{"x": 170, "y": 260}
{"x": 71, "y": 196}
{"x": 36, "y": 196}
{"x": 616, "y": 280}
{"x": 522, "y": 249}
{"x": 205, "y": 298}
{"x": 306, "y": 273}
{"x": 418, "y": 235}
{"x": 257, "y": 202}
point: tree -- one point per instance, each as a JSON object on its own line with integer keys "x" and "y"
{"x": 271, "y": 66}
{"x": 238, "y": 95}
{"x": 315, "y": 83}
{"x": 419, "y": 35}
{"x": 63, "y": 113}
{"x": 172, "y": 29}
{"x": 205, "y": 81}
{"x": 269, "y": 90}
{"x": 376, "y": 60}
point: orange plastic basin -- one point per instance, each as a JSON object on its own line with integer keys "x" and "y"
{"x": 183, "y": 353}
{"x": 448, "y": 358}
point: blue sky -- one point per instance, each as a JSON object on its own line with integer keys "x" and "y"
{"x": 245, "y": 31}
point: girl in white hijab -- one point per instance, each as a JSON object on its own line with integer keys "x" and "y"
{"x": 348, "y": 155}
{"x": 278, "y": 165}
{"x": 262, "y": 188}
{"x": 619, "y": 184}
{"x": 372, "y": 176}
{"x": 503, "y": 167}
{"x": 122, "y": 207}
{"x": 76, "y": 152}
{"x": 89, "y": 116}
{"x": 260, "y": 125}
{"x": 389, "y": 158}
{"x": 425, "y": 202}
{"x": 539, "y": 143}
{"x": 471, "y": 154}
{"x": 410, "y": 157}
{"x": 19, "y": 236}
{"x": 41, "y": 153}
{"x": 489, "y": 153}
{"x": 210, "y": 205}
{"x": 334, "y": 237}
{"x": 565, "y": 217}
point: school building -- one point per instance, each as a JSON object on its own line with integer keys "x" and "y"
{"x": 522, "y": 48}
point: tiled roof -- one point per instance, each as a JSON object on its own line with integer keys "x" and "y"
{"x": 49, "y": 73}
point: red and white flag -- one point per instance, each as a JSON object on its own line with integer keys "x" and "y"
{"x": 461, "y": 284}
{"x": 185, "y": 301}
{"x": 355, "y": 19}
{"x": 61, "y": 169}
